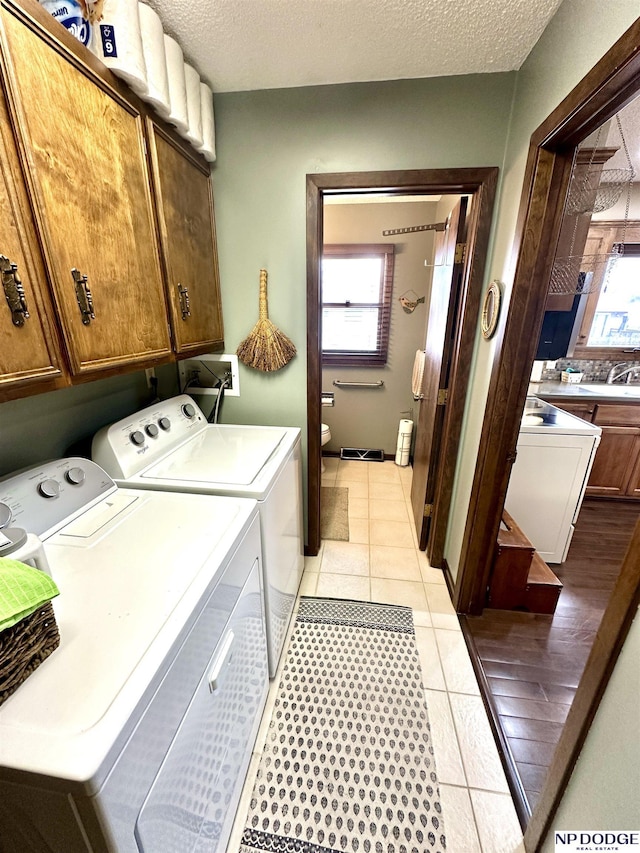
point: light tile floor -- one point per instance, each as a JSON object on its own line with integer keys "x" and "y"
{"x": 381, "y": 563}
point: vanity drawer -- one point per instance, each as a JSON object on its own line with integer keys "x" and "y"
{"x": 614, "y": 414}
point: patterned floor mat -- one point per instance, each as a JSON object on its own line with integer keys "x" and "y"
{"x": 348, "y": 763}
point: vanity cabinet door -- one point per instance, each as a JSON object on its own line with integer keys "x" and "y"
{"x": 85, "y": 151}
{"x": 184, "y": 199}
{"x": 614, "y": 462}
{"x": 29, "y": 351}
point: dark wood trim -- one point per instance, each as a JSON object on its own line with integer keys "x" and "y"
{"x": 414, "y": 181}
{"x": 617, "y": 619}
{"x": 479, "y": 229}
{"x": 314, "y": 364}
{"x": 448, "y": 577}
{"x": 612, "y": 83}
{"x": 504, "y": 751}
{"x": 510, "y": 379}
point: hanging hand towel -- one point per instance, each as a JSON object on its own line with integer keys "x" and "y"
{"x": 418, "y": 373}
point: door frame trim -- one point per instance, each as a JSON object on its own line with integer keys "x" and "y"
{"x": 613, "y": 82}
{"x": 481, "y": 184}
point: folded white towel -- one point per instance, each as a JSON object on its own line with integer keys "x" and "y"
{"x": 418, "y": 373}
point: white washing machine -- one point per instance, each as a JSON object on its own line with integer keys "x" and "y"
{"x": 555, "y": 454}
{"x": 136, "y": 733}
{"x": 171, "y": 446}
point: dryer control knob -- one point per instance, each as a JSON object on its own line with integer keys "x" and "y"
{"x": 164, "y": 423}
{"x": 49, "y": 488}
{"x": 5, "y": 515}
{"x": 188, "y": 411}
{"x": 75, "y": 476}
{"x": 137, "y": 438}
{"x": 151, "y": 430}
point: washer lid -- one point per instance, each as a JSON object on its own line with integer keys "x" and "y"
{"x": 225, "y": 455}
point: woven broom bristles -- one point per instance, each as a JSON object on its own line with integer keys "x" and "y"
{"x": 265, "y": 348}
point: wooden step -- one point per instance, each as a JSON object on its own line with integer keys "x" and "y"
{"x": 511, "y": 566}
{"x": 543, "y": 588}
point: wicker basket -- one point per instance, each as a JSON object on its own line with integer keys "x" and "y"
{"x": 24, "y": 646}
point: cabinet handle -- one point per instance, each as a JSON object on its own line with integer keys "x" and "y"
{"x": 14, "y": 292}
{"x": 183, "y": 295}
{"x": 83, "y": 295}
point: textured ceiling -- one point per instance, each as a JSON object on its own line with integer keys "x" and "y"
{"x": 240, "y": 45}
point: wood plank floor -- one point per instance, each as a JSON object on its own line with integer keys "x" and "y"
{"x": 533, "y": 663}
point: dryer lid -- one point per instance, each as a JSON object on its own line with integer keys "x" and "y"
{"x": 224, "y": 455}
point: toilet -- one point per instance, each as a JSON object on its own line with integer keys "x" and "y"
{"x": 325, "y": 436}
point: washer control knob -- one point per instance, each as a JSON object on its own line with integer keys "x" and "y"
{"x": 137, "y": 438}
{"x": 75, "y": 476}
{"x": 151, "y": 430}
{"x": 188, "y": 411}
{"x": 5, "y": 515}
{"x": 49, "y": 488}
{"x": 164, "y": 423}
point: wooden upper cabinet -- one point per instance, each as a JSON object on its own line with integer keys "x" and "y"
{"x": 84, "y": 147}
{"x": 30, "y": 348}
{"x": 187, "y": 231}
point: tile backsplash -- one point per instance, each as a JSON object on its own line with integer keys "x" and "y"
{"x": 594, "y": 371}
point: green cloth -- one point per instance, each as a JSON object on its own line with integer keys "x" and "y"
{"x": 22, "y": 590}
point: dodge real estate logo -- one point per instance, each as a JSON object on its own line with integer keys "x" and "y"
{"x": 612, "y": 841}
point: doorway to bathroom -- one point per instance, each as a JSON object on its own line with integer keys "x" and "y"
{"x": 399, "y": 191}
{"x": 376, "y": 290}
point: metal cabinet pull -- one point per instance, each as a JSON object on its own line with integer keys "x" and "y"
{"x": 83, "y": 295}
{"x": 14, "y": 291}
{"x": 183, "y": 295}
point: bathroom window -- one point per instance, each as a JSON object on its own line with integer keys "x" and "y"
{"x": 357, "y": 283}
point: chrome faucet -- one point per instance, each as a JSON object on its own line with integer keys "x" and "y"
{"x": 614, "y": 373}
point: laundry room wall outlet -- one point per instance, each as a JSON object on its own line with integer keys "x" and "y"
{"x": 201, "y": 375}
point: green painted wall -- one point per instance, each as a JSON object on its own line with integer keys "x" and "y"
{"x": 269, "y": 141}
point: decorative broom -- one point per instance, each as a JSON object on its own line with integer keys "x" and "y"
{"x": 265, "y": 347}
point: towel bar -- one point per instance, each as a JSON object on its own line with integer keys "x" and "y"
{"x": 339, "y": 384}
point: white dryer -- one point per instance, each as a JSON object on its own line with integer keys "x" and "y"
{"x": 171, "y": 446}
{"x": 136, "y": 733}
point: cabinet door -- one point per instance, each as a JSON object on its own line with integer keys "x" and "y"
{"x": 633, "y": 486}
{"x": 84, "y": 147}
{"x": 29, "y": 351}
{"x": 187, "y": 231}
{"x": 615, "y": 458}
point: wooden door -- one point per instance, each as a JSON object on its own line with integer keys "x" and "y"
{"x": 85, "y": 152}
{"x": 29, "y": 351}
{"x": 188, "y": 238}
{"x": 443, "y": 311}
{"x": 614, "y": 461}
